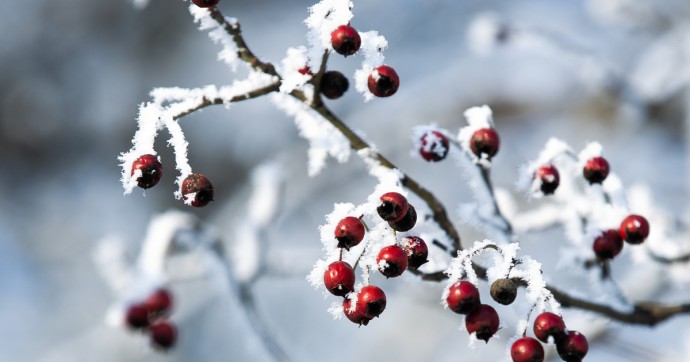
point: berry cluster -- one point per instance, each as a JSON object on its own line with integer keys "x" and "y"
{"x": 434, "y": 145}
{"x": 572, "y": 346}
{"x": 151, "y": 316}
{"x": 634, "y": 229}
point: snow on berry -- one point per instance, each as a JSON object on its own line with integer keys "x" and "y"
{"x": 324, "y": 17}
{"x": 372, "y": 48}
{"x": 292, "y": 78}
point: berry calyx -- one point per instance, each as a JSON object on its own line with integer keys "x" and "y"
{"x": 393, "y": 206}
{"x": 205, "y": 3}
{"x": 634, "y": 229}
{"x": 434, "y": 146}
{"x": 596, "y": 170}
{"x": 547, "y": 325}
{"x": 549, "y": 178}
{"x": 485, "y": 143}
{"x": 345, "y": 40}
{"x": 137, "y": 316}
{"x": 383, "y": 81}
{"x": 349, "y": 232}
{"x": 527, "y": 349}
{"x": 333, "y": 84}
{"x": 483, "y": 321}
{"x": 608, "y": 244}
{"x": 354, "y": 313}
{"x": 159, "y": 303}
{"x": 197, "y": 190}
{"x": 391, "y": 261}
{"x": 407, "y": 222}
{"x": 504, "y": 291}
{"x": 151, "y": 170}
{"x": 371, "y": 300}
{"x": 463, "y": 297}
{"x": 572, "y": 347}
{"x": 163, "y": 335}
{"x": 339, "y": 278}
{"x": 416, "y": 250}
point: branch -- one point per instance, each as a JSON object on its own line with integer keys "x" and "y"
{"x": 238, "y": 98}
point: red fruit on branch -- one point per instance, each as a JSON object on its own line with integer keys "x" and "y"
{"x": 349, "y": 232}
{"x": 151, "y": 171}
{"x": 596, "y": 170}
{"x": 391, "y": 261}
{"x": 159, "y": 303}
{"x": 371, "y": 300}
{"x": 383, "y": 81}
{"x": 198, "y": 188}
{"x": 333, "y": 84}
{"x": 547, "y": 325}
{"x": 463, "y": 297}
{"x": 355, "y": 315}
{"x": 634, "y": 229}
{"x": 549, "y": 178}
{"x": 407, "y": 222}
{"x": 608, "y": 244}
{"x": 485, "y": 143}
{"x": 572, "y": 347}
{"x": 345, "y": 40}
{"x": 339, "y": 278}
{"x": 527, "y": 349}
{"x": 163, "y": 335}
{"x": 416, "y": 250}
{"x": 483, "y": 321}
{"x": 393, "y": 206}
{"x": 205, "y": 3}
{"x": 434, "y": 146}
{"x": 137, "y": 316}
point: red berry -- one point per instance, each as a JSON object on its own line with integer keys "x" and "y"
{"x": 345, "y": 40}
{"x": 163, "y": 334}
{"x": 504, "y": 291}
{"x": 159, "y": 303}
{"x": 371, "y": 300}
{"x": 572, "y": 347}
{"x": 339, "y": 278}
{"x": 527, "y": 349}
{"x": 485, "y": 142}
{"x": 305, "y": 70}
{"x": 596, "y": 170}
{"x": 199, "y": 188}
{"x": 416, "y": 250}
{"x": 355, "y": 315}
{"x": 333, "y": 84}
{"x": 548, "y": 325}
{"x": 392, "y": 261}
{"x": 463, "y": 297}
{"x": 151, "y": 170}
{"x": 137, "y": 316}
{"x": 407, "y": 222}
{"x": 205, "y": 3}
{"x": 608, "y": 244}
{"x": 349, "y": 232}
{"x": 383, "y": 81}
{"x": 434, "y": 146}
{"x": 393, "y": 206}
{"x": 483, "y": 321}
{"x": 549, "y": 178}
{"x": 634, "y": 229}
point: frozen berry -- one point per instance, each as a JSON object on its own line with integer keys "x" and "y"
{"x": 573, "y": 347}
{"x": 547, "y": 325}
{"x": 354, "y": 313}
{"x": 151, "y": 171}
{"x": 371, "y": 300}
{"x": 463, "y": 297}
{"x": 549, "y": 178}
{"x": 392, "y": 261}
{"x": 416, "y": 250}
{"x": 197, "y": 190}
{"x": 634, "y": 229}
{"x": 483, "y": 321}
{"x": 485, "y": 143}
{"x": 339, "y": 278}
{"x": 504, "y": 291}
{"x": 608, "y": 244}
{"x": 205, "y": 3}
{"x": 527, "y": 349}
{"x": 159, "y": 303}
{"x": 434, "y": 146}
{"x": 393, "y": 206}
{"x": 596, "y": 170}
{"x": 163, "y": 335}
{"x": 345, "y": 40}
{"x": 137, "y": 316}
{"x": 383, "y": 81}
{"x": 333, "y": 84}
{"x": 349, "y": 232}
{"x": 407, "y": 222}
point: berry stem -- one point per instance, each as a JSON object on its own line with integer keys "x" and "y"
{"x": 316, "y": 80}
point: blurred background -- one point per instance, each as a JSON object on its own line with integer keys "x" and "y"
{"x": 74, "y": 72}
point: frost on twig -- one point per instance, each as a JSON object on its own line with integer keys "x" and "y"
{"x": 229, "y": 51}
{"x": 323, "y": 18}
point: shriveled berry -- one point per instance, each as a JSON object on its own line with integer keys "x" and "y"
{"x": 151, "y": 170}
{"x": 205, "y": 3}
{"x": 547, "y": 325}
{"x": 634, "y": 229}
{"x": 345, "y": 40}
{"x": 573, "y": 347}
{"x": 483, "y": 321}
{"x": 159, "y": 303}
{"x": 463, "y": 297}
{"x": 339, "y": 278}
{"x": 371, "y": 300}
{"x": 504, "y": 291}
{"x": 608, "y": 244}
{"x": 198, "y": 188}
{"x": 393, "y": 206}
{"x": 333, "y": 84}
{"x": 163, "y": 335}
{"x": 407, "y": 222}
{"x": 485, "y": 143}
{"x": 434, "y": 146}
{"x": 383, "y": 81}
{"x": 549, "y": 178}
{"x": 527, "y": 349}
{"x": 349, "y": 232}
{"x": 354, "y": 313}
{"x": 596, "y": 170}
{"x": 416, "y": 250}
{"x": 392, "y": 261}
{"x": 137, "y": 316}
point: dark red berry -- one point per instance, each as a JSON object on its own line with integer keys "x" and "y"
{"x": 463, "y": 297}
{"x": 159, "y": 303}
{"x": 634, "y": 229}
{"x": 151, "y": 171}
{"x": 137, "y": 316}
{"x": 349, "y": 232}
{"x": 549, "y": 178}
{"x": 407, "y": 222}
{"x": 572, "y": 347}
{"x": 504, "y": 291}
{"x": 434, "y": 146}
{"x": 305, "y": 70}
{"x": 163, "y": 335}
{"x": 371, "y": 300}
{"x": 483, "y": 321}
{"x": 356, "y": 314}
{"x": 383, "y": 81}
{"x": 485, "y": 143}
{"x": 596, "y": 170}
{"x": 393, "y": 206}
{"x": 333, "y": 84}
{"x": 197, "y": 187}
{"x": 547, "y": 325}
{"x": 205, "y": 3}
{"x": 416, "y": 250}
{"x": 345, "y": 40}
{"x": 527, "y": 349}
{"x": 608, "y": 244}
{"x": 392, "y": 261}
{"x": 339, "y": 278}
